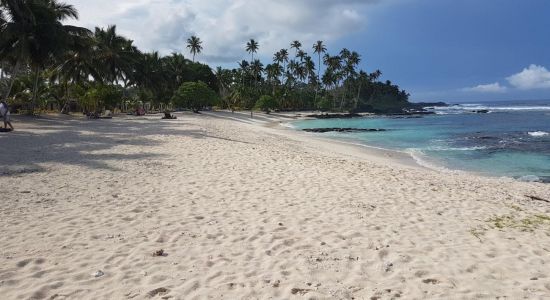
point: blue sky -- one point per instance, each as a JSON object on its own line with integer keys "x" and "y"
{"x": 438, "y": 50}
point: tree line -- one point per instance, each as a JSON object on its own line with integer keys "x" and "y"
{"x": 46, "y": 63}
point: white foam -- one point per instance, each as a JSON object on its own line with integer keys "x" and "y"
{"x": 537, "y": 133}
{"x": 439, "y": 148}
{"x": 288, "y": 125}
{"x": 420, "y": 158}
{"x": 470, "y": 107}
{"x": 529, "y": 178}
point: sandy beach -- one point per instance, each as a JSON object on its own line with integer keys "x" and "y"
{"x": 249, "y": 209}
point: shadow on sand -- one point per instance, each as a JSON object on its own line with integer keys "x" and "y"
{"x": 80, "y": 142}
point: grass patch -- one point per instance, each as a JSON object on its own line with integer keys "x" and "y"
{"x": 478, "y": 233}
{"x": 529, "y": 223}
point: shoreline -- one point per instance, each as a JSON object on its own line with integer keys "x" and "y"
{"x": 419, "y": 161}
{"x": 345, "y": 146}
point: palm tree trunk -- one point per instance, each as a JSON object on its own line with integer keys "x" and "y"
{"x": 318, "y": 79}
{"x": 35, "y": 89}
{"x": 12, "y": 79}
{"x": 358, "y": 94}
{"x": 343, "y": 96}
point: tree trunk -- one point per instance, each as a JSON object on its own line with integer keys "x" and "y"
{"x": 35, "y": 89}
{"x": 318, "y": 79}
{"x": 358, "y": 94}
{"x": 12, "y": 79}
{"x": 65, "y": 109}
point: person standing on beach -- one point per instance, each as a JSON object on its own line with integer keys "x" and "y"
{"x": 5, "y": 114}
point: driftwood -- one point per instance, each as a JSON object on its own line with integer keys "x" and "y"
{"x": 537, "y": 198}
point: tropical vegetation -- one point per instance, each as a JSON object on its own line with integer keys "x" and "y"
{"x": 47, "y": 64}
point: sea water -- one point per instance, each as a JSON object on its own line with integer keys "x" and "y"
{"x": 512, "y": 139}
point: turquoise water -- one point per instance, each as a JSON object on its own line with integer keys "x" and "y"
{"x": 512, "y": 140}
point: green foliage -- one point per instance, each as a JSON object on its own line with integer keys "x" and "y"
{"x": 34, "y": 41}
{"x": 324, "y": 104}
{"x": 380, "y": 97}
{"x": 266, "y": 103}
{"x": 195, "y": 96}
{"x": 100, "y": 96}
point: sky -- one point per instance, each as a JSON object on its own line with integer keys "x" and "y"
{"x": 437, "y": 50}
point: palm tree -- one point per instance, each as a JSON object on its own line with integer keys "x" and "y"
{"x": 256, "y": 67}
{"x": 32, "y": 32}
{"x": 375, "y": 75}
{"x": 352, "y": 59}
{"x": 283, "y": 57}
{"x": 345, "y": 53}
{"x": 116, "y": 55}
{"x": 35, "y": 34}
{"x": 362, "y": 78}
{"x": 277, "y": 58}
{"x": 176, "y": 67}
{"x": 310, "y": 69}
{"x": 301, "y": 55}
{"x": 224, "y": 78}
{"x": 296, "y": 45}
{"x": 273, "y": 71}
{"x": 319, "y": 48}
{"x": 194, "y": 44}
{"x": 252, "y": 47}
{"x": 244, "y": 67}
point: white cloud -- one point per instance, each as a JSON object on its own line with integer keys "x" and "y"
{"x": 225, "y": 25}
{"x": 533, "y": 77}
{"x": 487, "y": 88}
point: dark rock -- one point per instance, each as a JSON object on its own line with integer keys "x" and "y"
{"x": 336, "y": 129}
{"x": 481, "y": 111}
{"x": 428, "y": 104}
{"x": 334, "y": 116}
{"x": 412, "y": 112}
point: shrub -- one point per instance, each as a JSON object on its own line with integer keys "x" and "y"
{"x": 195, "y": 96}
{"x": 266, "y": 103}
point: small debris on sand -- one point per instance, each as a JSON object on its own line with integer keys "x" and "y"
{"x": 97, "y": 274}
{"x": 295, "y": 291}
{"x": 157, "y": 291}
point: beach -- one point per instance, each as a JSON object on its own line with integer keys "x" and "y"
{"x": 249, "y": 209}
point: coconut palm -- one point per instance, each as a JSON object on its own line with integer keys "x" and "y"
{"x": 32, "y": 32}
{"x": 284, "y": 54}
{"x": 301, "y": 55}
{"x": 273, "y": 72}
{"x": 79, "y": 62}
{"x": 320, "y": 49}
{"x": 224, "y": 78}
{"x": 282, "y": 57}
{"x": 257, "y": 68}
{"x": 252, "y": 47}
{"x": 363, "y": 77}
{"x": 296, "y": 45}
{"x": 310, "y": 69}
{"x": 116, "y": 55}
{"x": 194, "y": 44}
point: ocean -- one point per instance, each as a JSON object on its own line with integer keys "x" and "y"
{"x": 511, "y": 140}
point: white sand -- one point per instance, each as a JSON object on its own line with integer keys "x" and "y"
{"x": 247, "y": 211}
